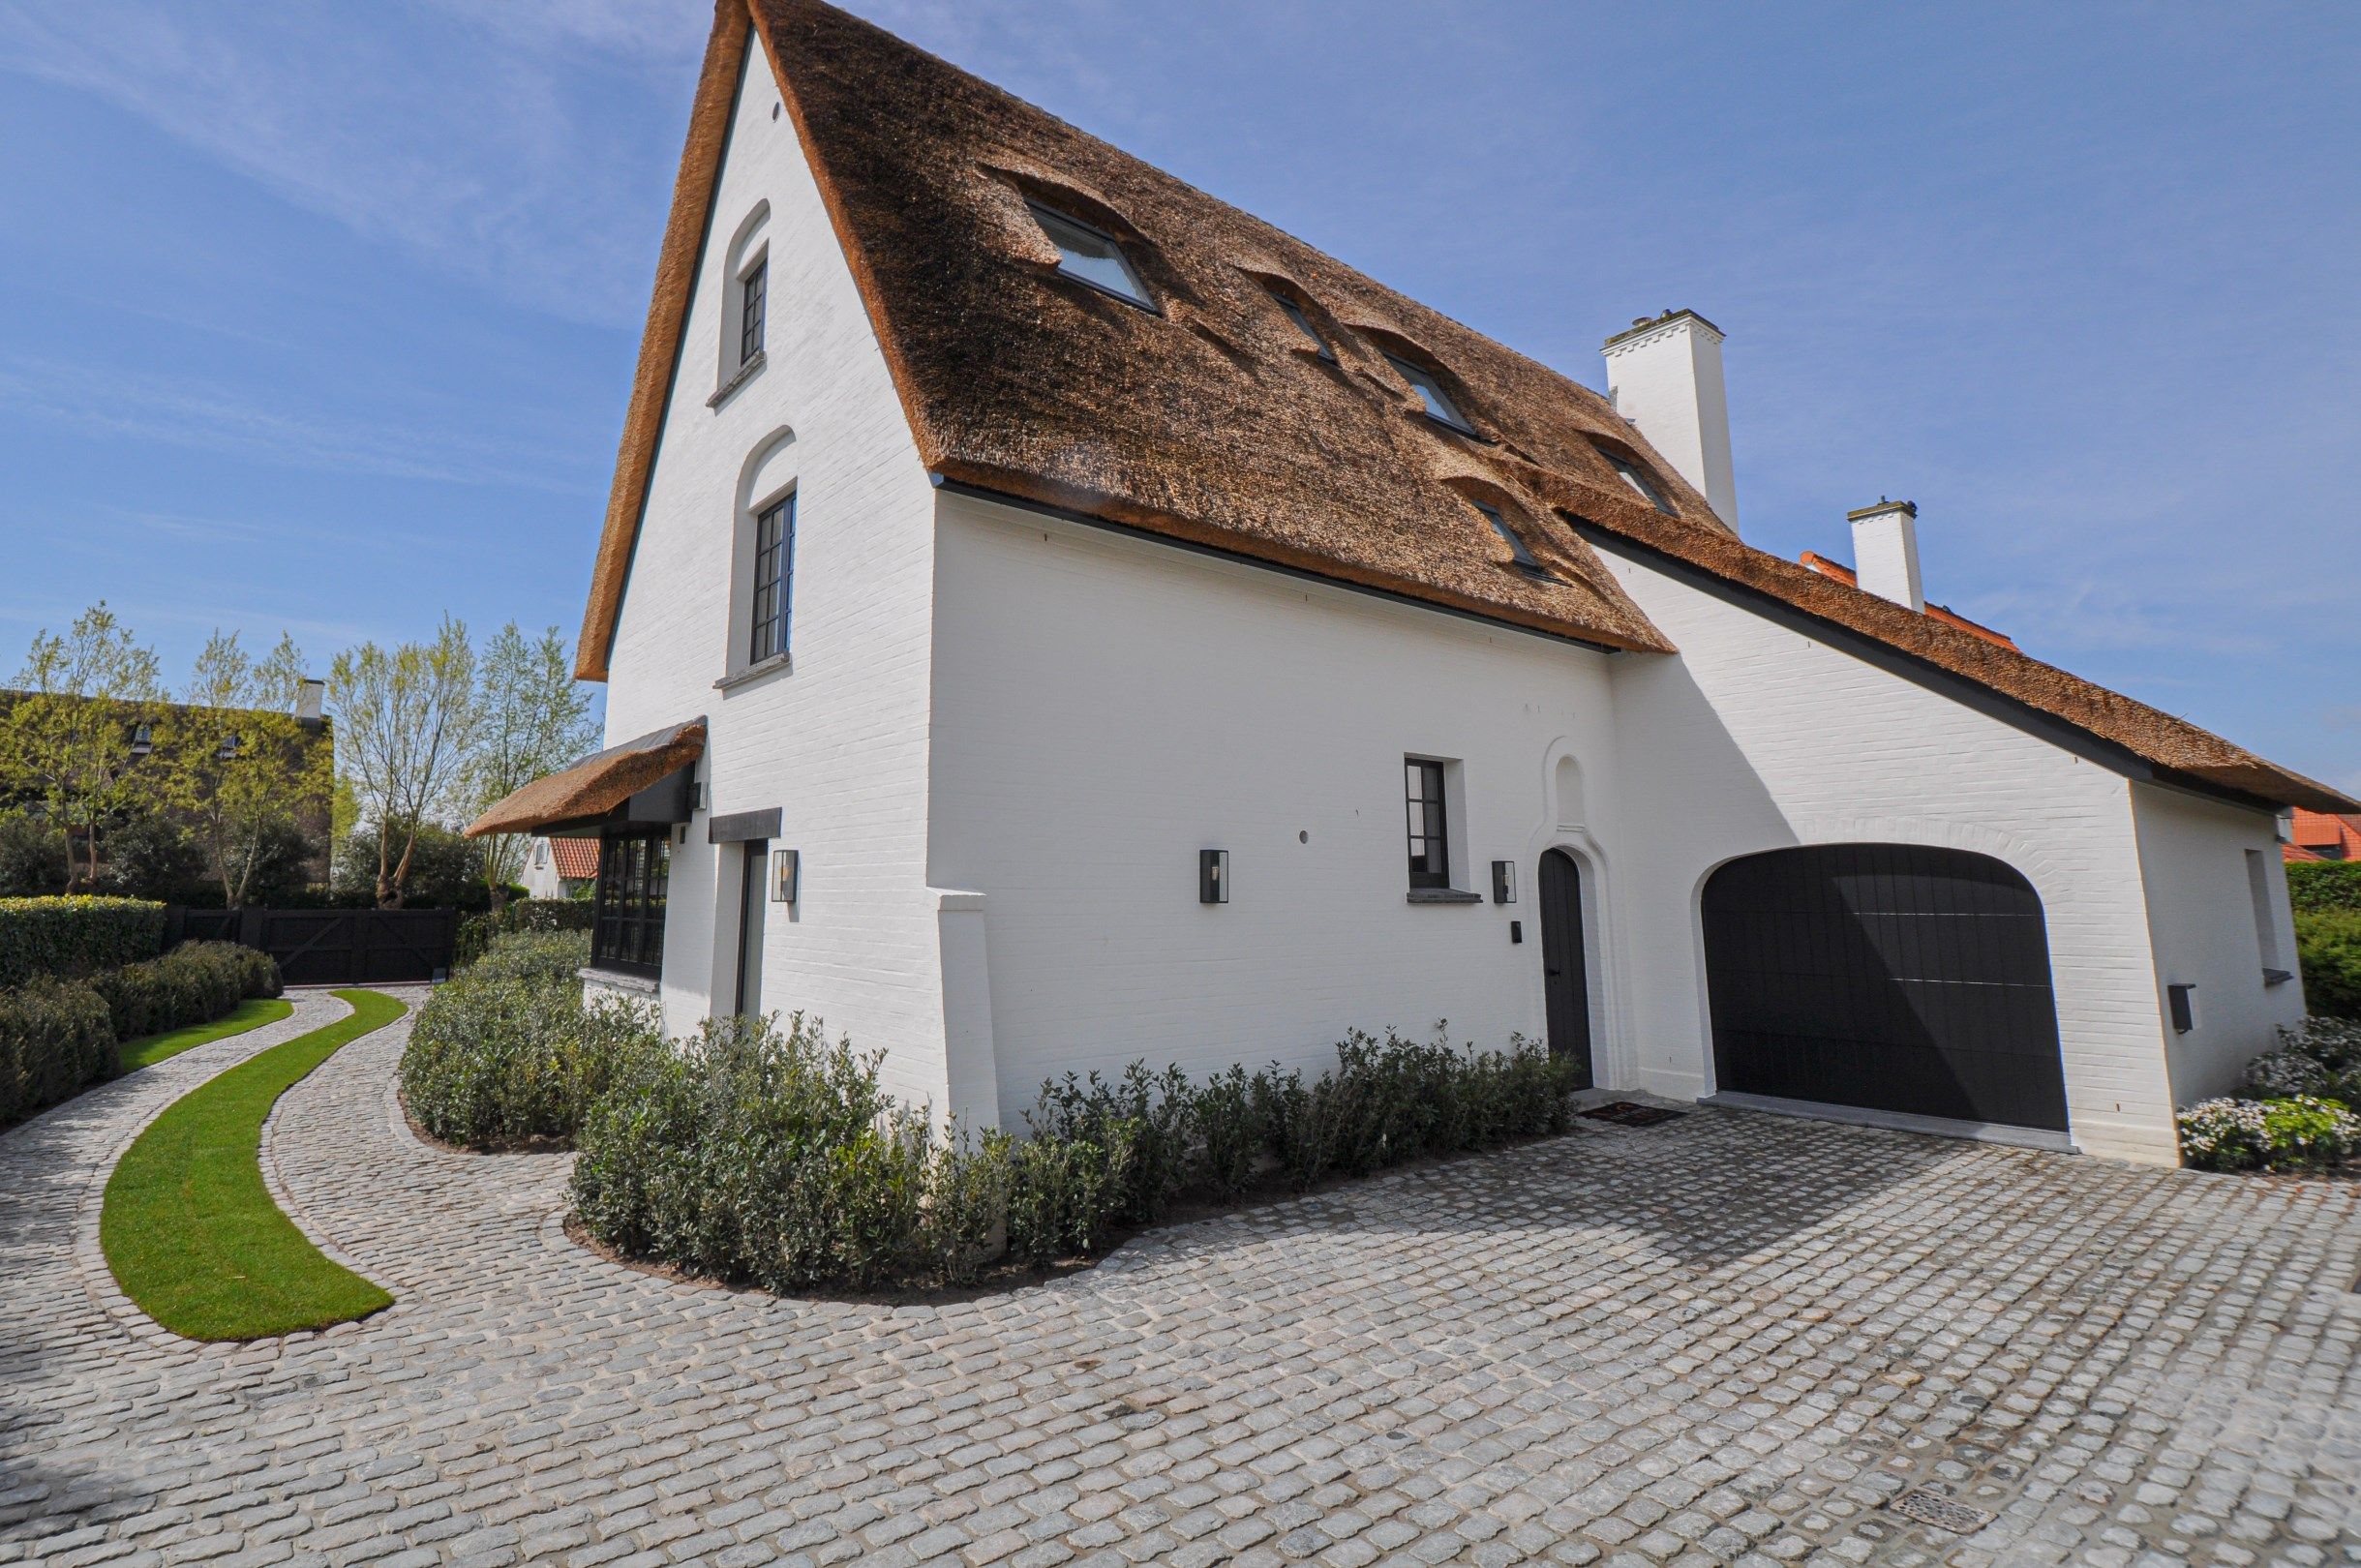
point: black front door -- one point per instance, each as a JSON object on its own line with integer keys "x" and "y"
{"x": 753, "y": 897}
{"x": 1567, "y": 983}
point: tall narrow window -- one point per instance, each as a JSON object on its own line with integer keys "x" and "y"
{"x": 1086, "y": 255}
{"x": 1432, "y": 397}
{"x": 773, "y": 575}
{"x": 2266, "y": 915}
{"x": 753, "y": 298}
{"x": 627, "y": 910}
{"x": 1430, "y": 840}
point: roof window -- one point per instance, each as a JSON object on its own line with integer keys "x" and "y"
{"x": 1431, "y": 394}
{"x": 1302, "y": 318}
{"x": 1638, "y": 479}
{"x": 1515, "y": 541}
{"x": 1090, "y": 256}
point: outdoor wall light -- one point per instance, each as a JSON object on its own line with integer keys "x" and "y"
{"x": 1503, "y": 882}
{"x": 785, "y": 867}
{"x": 1213, "y": 876}
{"x": 2183, "y": 998}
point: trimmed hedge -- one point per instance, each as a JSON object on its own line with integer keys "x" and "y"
{"x": 195, "y": 982}
{"x": 770, "y": 1156}
{"x": 2324, "y": 884}
{"x": 478, "y": 932}
{"x": 2328, "y": 952}
{"x": 75, "y": 936}
{"x": 54, "y": 1042}
{"x": 507, "y": 1052}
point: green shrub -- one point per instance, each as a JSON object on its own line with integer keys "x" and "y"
{"x": 2324, "y": 884}
{"x": 54, "y": 1042}
{"x": 507, "y": 1050}
{"x": 2328, "y": 951}
{"x": 195, "y": 982}
{"x": 476, "y": 932}
{"x": 32, "y": 856}
{"x": 75, "y": 936}
{"x": 2298, "y": 1132}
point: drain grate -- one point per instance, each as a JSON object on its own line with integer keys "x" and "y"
{"x": 1630, "y": 1113}
{"x": 1938, "y": 1512}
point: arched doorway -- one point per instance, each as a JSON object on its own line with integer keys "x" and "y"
{"x": 1888, "y": 976}
{"x": 1565, "y": 976}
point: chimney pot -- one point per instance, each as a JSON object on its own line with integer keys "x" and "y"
{"x": 1664, "y": 375}
{"x": 310, "y": 699}
{"x": 1885, "y": 553}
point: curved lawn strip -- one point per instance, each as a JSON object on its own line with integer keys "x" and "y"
{"x": 189, "y": 1229}
{"x": 251, "y": 1014}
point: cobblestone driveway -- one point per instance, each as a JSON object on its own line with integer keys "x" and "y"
{"x": 1732, "y": 1339}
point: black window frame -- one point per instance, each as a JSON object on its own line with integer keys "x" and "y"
{"x": 1637, "y": 476}
{"x": 1434, "y": 400}
{"x": 629, "y": 902}
{"x": 1294, "y": 311}
{"x": 1520, "y": 553}
{"x": 753, "y": 311}
{"x": 1049, "y": 218}
{"x": 1427, "y": 819}
{"x": 771, "y": 595}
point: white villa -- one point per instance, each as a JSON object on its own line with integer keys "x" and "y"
{"x": 1053, "y": 618}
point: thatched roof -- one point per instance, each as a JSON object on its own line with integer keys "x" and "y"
{"x": 595, "y": 785}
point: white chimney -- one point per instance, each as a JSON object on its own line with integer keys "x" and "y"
{"x": 1885, "y": 553}
{"x": 309, "y": 697}
{"x": 1665, "y": 376}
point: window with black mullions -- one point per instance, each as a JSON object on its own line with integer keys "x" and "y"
{"x": 628, "y": 917}
{"x": 773, "y": 575}
{"x": 753, "y": 298}
{"x": 1430, "y": 840}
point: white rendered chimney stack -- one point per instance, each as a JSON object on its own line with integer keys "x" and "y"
{"x": 1665, "y": 376}
{"x": 1885, "y": 553}
{"x": 309, "y": 700}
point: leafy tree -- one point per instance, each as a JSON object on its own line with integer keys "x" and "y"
{"x": 532, "y": 719}
{"x": 76, "y": 737}
{"x": 244, "y": 766}
{"x": 405, "y": 724}
{"x": 32, "y": 856}
{"x": 152, "y": 855}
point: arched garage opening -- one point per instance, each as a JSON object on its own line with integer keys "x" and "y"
{"x": 1885, "y": 976}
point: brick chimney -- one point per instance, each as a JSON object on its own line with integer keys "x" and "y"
{"x": 1886, "y": 551}
{"x": 1664, "y": 375}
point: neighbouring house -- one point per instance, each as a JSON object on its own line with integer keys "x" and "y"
{"x": 1053, "y": 618}
{"x": 560, "y": 867}
{"x": 2323, "y": 835}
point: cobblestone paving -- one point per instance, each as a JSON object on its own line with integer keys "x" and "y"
{"x": 1734, "y": 1339}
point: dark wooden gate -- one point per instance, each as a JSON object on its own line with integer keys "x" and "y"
{"x": 332, "y": 947}
{"x": 1565, "y": 974}
{"x": 1889, "y": 976}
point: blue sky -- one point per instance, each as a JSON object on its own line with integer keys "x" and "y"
{"x": 321, "y": 317}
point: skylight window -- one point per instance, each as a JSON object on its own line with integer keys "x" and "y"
{"x": 1429, "y": 386}
{"x": 1509, "y": 536}
{"x": 1303, "y": 323}
{"x": 1637, "y": 478}
{"x": 1087, "y": 256}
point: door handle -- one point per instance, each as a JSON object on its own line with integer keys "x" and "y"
{"x": 1551, "y": 973}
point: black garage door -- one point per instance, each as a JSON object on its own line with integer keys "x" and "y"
{"x": 1889, "y": 976}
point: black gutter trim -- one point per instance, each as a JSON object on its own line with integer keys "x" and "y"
{"x": 960, "y": 487}
{"x": 1968, "y": 693}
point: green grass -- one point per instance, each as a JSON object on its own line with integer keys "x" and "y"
{"x": 190, "y": 1231}
{"x": 251, "y": 1014}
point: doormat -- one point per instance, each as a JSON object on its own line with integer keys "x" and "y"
{"x": 1630, "y": 1113}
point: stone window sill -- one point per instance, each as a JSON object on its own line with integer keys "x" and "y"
{"x": 1443, "y": 895}
{"x": 745, "y": 372}
{"x": 617, "y": 980}
{"x": 751, "y": 672}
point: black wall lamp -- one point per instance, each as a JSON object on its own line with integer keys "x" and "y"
{"x": 1213, "y": 876}
{"x": 786, "y": 866}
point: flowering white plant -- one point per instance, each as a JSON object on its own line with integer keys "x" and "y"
{"x": 2292, "y": 1132}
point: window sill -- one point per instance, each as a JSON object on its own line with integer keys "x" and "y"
{"x": 2277, "y": 977}
{"x": 745, "y": 372}
{"x": 1443, "y": 895}
{"x": 615, "y": 979}
{"x": 751, "y": 672}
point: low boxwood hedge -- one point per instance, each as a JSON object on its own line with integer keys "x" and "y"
{"x": 195, "y": 982}
{"x": 55, "y": 1041}
{"x": 478, "y": 932}
{"x": 72, "y": 937}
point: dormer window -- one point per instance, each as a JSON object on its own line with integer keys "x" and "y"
{"x": 1638, "y": 479}
{"x": 1090, "y": 256}
{"x": 1509, "y": 536}
{"x": 143, "y": 740}
{"x": 1432, "y": 397}
{"x": 1302, "y": 318}
{"x": 753, "y": 296}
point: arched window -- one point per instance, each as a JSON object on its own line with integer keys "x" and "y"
{"x": 746, "y": 300}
